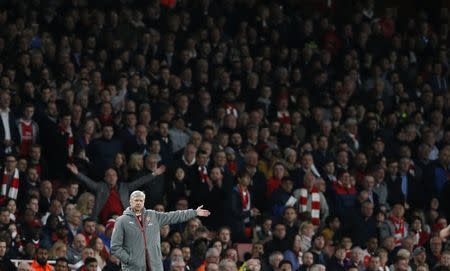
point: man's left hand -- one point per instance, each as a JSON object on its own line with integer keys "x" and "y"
{"x": 202, "y": 212}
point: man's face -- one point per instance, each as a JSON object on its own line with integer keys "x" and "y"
{"x": 42, "y": 256}
{"x": 186, "y": 253}
{"x": 65, "y": 121}
{"x": 5, "y": 100}
{"x": 216, "y": 174}
{"x": 374, "y": 263}
{"x": 73, "y": 189}
{"x": 402, "y": 265}
{"x": 280, "y": 231}
{"x": 4, "y": 217}
{"x": 254, "y": 265}
{"x": 35, "y": 153}
{"x": 224, "y": 236}
{"x": 111, "y": 177}
{"x": 164, "y": 129}
{"x": 232, "y": 254}
{"x": 11, "y": 163}
{"x": 2, "y": 249}
{"x": 421, "y": 257}
{"x": 137, "y": 203}
{"x": 29, "y": 112}
{"x": 319, "y": 242}
{"x": 92, "y": 266}
{"x": 290, "y": 215}
{"x": 89, "y": 227}
{"x": 107, "y": 132}
{"x": 445, "y": 259}
{"x": 46, "y": 189}
{"x": 61, "y": 266}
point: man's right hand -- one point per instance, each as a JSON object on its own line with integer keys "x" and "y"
{"x": 72, "y": 168}
{"x": 254, "y": 212}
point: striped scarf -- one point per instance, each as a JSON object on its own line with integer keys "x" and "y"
{"x": 14, "y": 186}
{"x": 315, "y": 204}
{"x": 70, "y": 141}
{"x": 399, "y": 229}
{"x": 203, "y": 174}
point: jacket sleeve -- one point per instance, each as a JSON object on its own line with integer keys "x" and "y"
{"x": 175, "y": 216}
{"x": 324, "y": 209}
{"x": 385, "y": 231}
{"x": 140, "y": 182}
{"x": 88, "y": 181}
{"x": 117, "y": 242}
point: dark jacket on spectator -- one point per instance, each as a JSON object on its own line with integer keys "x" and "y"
{"x": 102, "y": 152}
{"x": 15, "y": 136}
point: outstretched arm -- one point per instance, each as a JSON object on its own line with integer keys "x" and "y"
{"x": 180, "y": 216}
{"x": 144, "y": 179}
{"x": 80, "y": 176}
{"x": 444, "y": 233}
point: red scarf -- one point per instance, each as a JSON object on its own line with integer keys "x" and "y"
{"x": 230, "y": 109}
{"x": 26, "y": 134}
{"x": 284, "y": 116}
{"x": 203, "y": 174}
{"x": 14, "y": 186}
{"x": 399, "y": 227}
{"x": 245, "y": 198}
{"x": 315, "y": 204}
{"x": 232, "y": 167}
{"x": 70, "y": 141}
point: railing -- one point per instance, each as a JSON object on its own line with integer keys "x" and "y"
{"x": 17, "y": 261}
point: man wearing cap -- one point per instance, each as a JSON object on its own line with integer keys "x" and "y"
{"x": 419, "y": 258}
{"x": 136, "y": 239}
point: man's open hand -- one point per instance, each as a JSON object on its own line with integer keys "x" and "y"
{"x": 160, "y": 170}
{"x": 72, "y": 168}
{"x": 202, "y": 212}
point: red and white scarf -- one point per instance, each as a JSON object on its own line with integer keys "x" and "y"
{"x": 203, "y": 174}
{"x": 14, "y": 186}
{"x": 230, "y": 109}
{"x": 399, "y": 229}
{"x": 245, "y": 199}
{"x": 284, "y": 116}
{"x": 70, "y": 141}
{"x": 315, "y": 204}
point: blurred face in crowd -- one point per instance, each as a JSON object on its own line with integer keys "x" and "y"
{"x": 111, "y": 177}
{"x": 107, "y": 132}
{"x": 308, "y": 259}
{"x": 435, "y": 246}
{"x": 89, "y": 227}
{"x": 2, "y": 249}
{"x": 46, "y": 189}
{"x": 307, "y": 161}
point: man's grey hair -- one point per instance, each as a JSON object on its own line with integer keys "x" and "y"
{"x": 227, "y": 265}
{"x": 212, "y": 251}
{"x": 273, "y": 255}
{"x": 137, "y": 194}
{"x": 318, "y": 267}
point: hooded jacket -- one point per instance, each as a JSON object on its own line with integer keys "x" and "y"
{"x": 130, "y": 241}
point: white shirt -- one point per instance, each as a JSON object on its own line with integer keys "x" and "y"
{"x": 5, "y": 120}
{"x": 5, "y": 114}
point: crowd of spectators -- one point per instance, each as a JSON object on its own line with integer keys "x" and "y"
{"x": 320, "y": 138}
